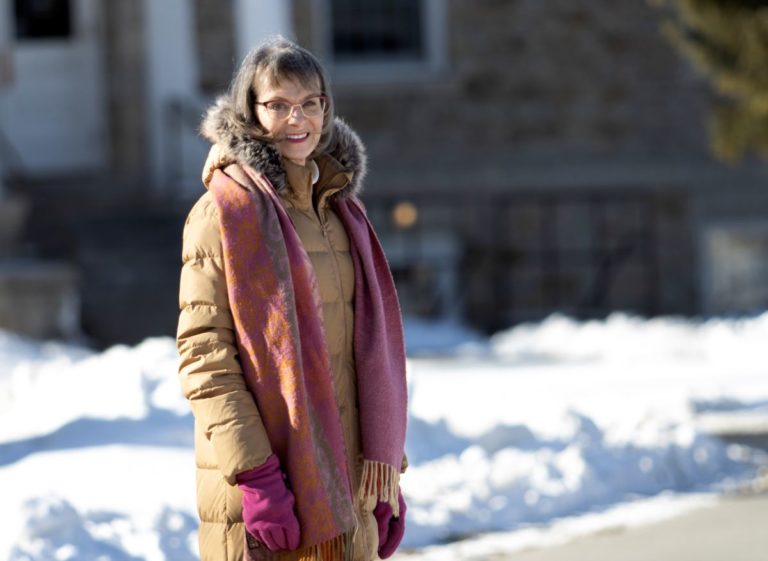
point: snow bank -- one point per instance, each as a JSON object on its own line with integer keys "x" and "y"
{"x": 447, "y": 338}
{"x": 558, "y": 419}
{"x": 624, "y": 339}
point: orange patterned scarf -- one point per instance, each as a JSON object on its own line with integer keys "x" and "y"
{"x": 275, "y": 303}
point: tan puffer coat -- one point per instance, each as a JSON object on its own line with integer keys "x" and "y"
{"x": 229, "y": 435}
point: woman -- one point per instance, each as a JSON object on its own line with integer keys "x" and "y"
{"x": 290, "y": 333}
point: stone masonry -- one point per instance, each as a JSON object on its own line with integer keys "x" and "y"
{"x": 565, "y": 104}
{"x": 562, "y": 78}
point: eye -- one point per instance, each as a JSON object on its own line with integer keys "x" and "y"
{"x": 313, "y": 107}
{"x": 277, "y": 106}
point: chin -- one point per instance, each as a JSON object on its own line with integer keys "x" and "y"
{"x": 295, "y": 155}
{"x": 292, "y": 153}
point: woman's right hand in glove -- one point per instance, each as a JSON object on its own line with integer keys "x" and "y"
{"x": 268, "y": 506}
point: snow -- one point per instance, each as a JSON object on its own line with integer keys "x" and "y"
{"x": 533, "y": 436}
{"x": 446, "y": 338}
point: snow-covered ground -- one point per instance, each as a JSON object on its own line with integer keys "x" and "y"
{"x": 560, "y": 425}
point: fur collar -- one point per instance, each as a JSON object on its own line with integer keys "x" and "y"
{"x": 221, "y": 125}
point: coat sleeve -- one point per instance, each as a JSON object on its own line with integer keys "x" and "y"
{"x": 210, "y": 372}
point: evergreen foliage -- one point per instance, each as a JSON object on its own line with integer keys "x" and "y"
{"x": 727, "y": 40}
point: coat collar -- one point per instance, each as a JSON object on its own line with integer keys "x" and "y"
{"x": 305, "y": 191}
{"x": 346, "y": 153}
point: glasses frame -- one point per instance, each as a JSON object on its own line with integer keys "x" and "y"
{"x": 323, "y": 101}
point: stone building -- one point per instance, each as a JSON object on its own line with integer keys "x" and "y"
{"x": 525, "y": 156}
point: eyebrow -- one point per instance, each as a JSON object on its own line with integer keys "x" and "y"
{"x": 278, "y": 98}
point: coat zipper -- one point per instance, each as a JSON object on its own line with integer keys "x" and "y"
{"x": 322, "y": 218}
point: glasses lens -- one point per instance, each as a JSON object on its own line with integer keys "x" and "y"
{"x": 278, "y": 109}
{"x": 313, "y": 107}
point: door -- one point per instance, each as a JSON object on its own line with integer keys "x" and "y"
{"x": 52, "y": 110}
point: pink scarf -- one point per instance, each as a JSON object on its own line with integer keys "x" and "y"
{"x": 275, "y": 302}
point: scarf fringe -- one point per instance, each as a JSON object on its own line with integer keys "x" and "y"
{"x": 339, "y": 548}
{"x": 380, "y": 482}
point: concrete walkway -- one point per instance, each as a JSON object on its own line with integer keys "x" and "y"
{"x": 734, "y": 529}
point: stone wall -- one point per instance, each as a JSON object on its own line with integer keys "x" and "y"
{"x": 586, "y": 76}
{"x": 530, "y": 78}
{"x": 566, "y": 101}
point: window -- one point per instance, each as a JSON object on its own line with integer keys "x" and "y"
{"x": 735, "y": 276}
{"x": 42, "y": 19}
{"x": 377, "y": 28}
{"x": 381, "y": 40}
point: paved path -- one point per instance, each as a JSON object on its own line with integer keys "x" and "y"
{"x": 735, "y": 529}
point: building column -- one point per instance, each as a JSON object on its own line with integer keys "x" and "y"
{"x": 6, "y": 65}
{"x": 172, "y": 77}
{"x": 257, "y": 19}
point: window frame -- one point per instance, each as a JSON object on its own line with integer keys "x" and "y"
{"x": 378, "y": 69}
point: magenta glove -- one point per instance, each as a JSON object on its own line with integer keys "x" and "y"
{"x": 268, "y": 506}
{"x": 391, "y": 529}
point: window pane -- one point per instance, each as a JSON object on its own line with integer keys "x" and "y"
{"x": 40, "y": 19}
{"x": 388, "y": 28}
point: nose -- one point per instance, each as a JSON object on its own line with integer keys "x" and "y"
{"x": 297, "y": 112}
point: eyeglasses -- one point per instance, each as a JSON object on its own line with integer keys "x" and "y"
{"x": 281, "y": 110}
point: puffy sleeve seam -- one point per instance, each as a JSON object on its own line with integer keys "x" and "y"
{"x": 203, "y": 305}
{"x": 201, "y": 256}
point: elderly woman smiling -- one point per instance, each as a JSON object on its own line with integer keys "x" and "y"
{"x": 290, "y": 333}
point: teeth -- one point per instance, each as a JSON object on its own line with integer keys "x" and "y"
{"x": 297, "y": 136}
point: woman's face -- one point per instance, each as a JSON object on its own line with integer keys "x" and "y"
{"x": 296, "y": 135}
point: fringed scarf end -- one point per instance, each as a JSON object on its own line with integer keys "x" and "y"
{"x": 339, "y": 548}
{"x": 380, "y": 482}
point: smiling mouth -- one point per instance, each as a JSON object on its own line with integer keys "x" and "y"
{"x": 297, "y": 137}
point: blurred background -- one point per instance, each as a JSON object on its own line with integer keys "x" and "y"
{"x": 572, "y": 197}
{"x": 526, "y": 157}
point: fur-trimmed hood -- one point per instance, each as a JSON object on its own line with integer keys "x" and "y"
{"x": 222, "y": 126}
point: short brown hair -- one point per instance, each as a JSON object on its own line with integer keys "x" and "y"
{"x": 272, "y": 60}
